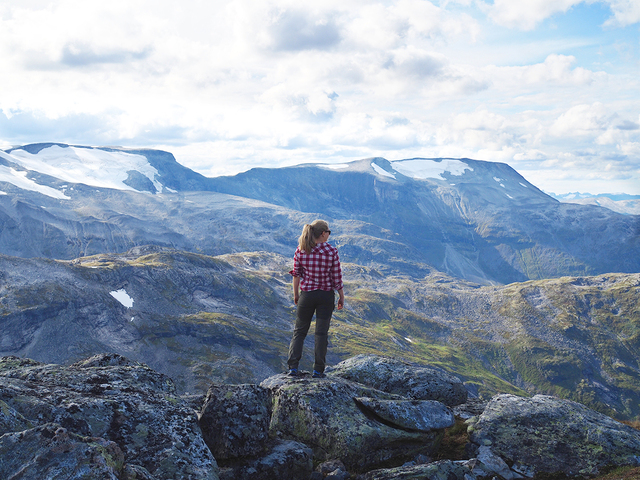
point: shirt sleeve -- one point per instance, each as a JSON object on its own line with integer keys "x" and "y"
{"x": 298, "y": 270}
{"x": 336, "y": 272}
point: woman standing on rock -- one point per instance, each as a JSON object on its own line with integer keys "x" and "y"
{"x": 316, "y": 274}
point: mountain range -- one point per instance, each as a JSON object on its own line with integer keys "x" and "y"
{"x": 475, "y": 220}
{"x": 457, "y": 263}
{"x": 618, "y": 202}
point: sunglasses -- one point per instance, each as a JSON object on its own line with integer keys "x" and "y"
{"x": 328, "y": 231}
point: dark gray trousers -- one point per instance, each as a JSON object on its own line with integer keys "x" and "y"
{"x": 321, "y": 303}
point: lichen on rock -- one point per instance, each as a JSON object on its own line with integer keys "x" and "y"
{"x": 548, "y": 435}
{"x": 325, "y": 416}
{"x": 111, "y": 399}
{"x": 235, "y": 420}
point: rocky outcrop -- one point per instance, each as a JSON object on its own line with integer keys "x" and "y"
{"x": 282, "y": 459}
{"x": 411, "y": 381}
{"x": 329, "y": 416}
{"x": 235, "y": 425}
{"x": 107, "y": 417}
{"x": 50, "y": 451}
{"x": 548, "y": 435}
{"x": 410, "y": 415}
{"x": 105, "y": 414}
{"x": 334, "y": 418}
{"x": 442, "y": 470}
{"x": 235, "y": 420}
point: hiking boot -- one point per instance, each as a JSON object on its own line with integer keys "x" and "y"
{"x": 293, "y": 372}
{"x": 317, "y": 374}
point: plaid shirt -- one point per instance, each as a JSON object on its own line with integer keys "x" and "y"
{"x": 318, "y": 270}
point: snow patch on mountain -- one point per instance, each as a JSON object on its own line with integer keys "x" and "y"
{"x": 381, "y": 171}
{"x": 422, "y": 168}
{"x": 335, "y": 166}
{"x": 123, "y": 297}
{"x": 499, "y": 181}
{"x": 90, "y": 166}
{"x": 20, "y": 180}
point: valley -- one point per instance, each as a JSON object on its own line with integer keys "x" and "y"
{"x": 454, "y": 263}
{"x": 228, "y": 319}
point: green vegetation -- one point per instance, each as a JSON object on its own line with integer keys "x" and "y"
{"x": 454, "y": 442}
{"x": 381, "y": 326}
{"x": 230, "y": 318}
{"x": 578, "y": 334}
{"x": 566, "y": 337}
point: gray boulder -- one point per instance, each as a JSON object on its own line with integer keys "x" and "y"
{"x": 324, "y": 415}
{"x": 235, "y": 420}
{"x": 442, "y": 470}
{"x": 235, "y": 424}
{"x": 487, "y": 465}
{"x": 331, "y": 470}
{"x": 417, "y": 415}
{"x": 286, "y": 459}
{"x": 114, "y": 400}
{"x": 547, "y": 435}
{"x": 411, "y": 381}
{"x": 51, "y": 452}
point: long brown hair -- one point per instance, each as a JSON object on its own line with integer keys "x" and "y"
{"x": 310, "y": 232}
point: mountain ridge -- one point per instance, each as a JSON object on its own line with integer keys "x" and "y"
{"x": 161, "y": 173}
{"x": 617, "y": 202}
{"x": 476, "y": 220}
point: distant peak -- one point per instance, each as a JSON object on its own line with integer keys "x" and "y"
{"x": 96, "y": 167}
{"x": 35, "y": 148}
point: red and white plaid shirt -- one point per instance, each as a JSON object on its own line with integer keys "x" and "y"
{"x": 318, "y": 270}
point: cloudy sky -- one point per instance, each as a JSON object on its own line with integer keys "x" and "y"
{"x": 551, "y": 87}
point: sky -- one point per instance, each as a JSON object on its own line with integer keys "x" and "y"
{"x": 550, "y": 87}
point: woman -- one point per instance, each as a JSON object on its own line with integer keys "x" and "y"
{"x": 316, "y": 274}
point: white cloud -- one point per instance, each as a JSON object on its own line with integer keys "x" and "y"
{"x": 555, "y": 69}
{"x": 531, "y": 154}
{"x": 625, "y": 12}
{"x": 582, "y": 120}
{"x": 228, "y": 85}
{"x": 477, "y": 130}
{"x": 631, "y": 149}
{"x": 526, "y": 15}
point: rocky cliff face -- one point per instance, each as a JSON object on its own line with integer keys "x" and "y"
{"x": 108, "y": 417}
